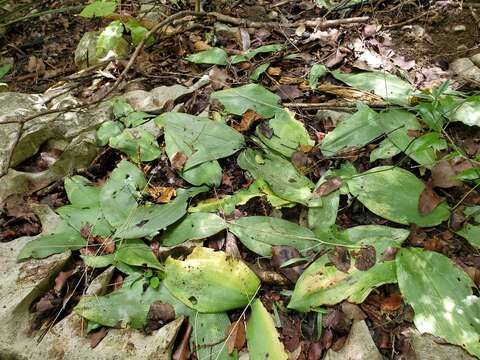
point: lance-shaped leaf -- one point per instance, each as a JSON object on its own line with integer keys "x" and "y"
{"x": 393, "y": 193}
{"x": 355, "y": 132}
{"x": 118, "y": 196}
{"x": 389, "y": 87}
{"x": 323, "y": 283}
{"x": 98, "y": 261}
{"x": 193, "y": 227}
{"x": 260, "y": 233}
{"x": 282, "y": 177}
{"x": 137, "y": 143}
{"x": 248, "y": 97}
{"x": 210, "y": 281}
{"x": 199, "y": 139}
{"x": 214, "y": 56}
{"x": 287, "y": 134}
{"x": 78, "y": 218}
{"x": 81, "y": 192}
{"x": 208, "y": 336}
{"x": 440, "y": 294}
{"x": 262, "y": 336}
{"x": 147, "y": 221}
{"x": 62, "y": 239}
{"x": 136, "y": 253}
{"x": 250, "y": 53}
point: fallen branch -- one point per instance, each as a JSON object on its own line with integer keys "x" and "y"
{"x": 343, "y": 105}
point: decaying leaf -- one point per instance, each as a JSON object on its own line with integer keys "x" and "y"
{"x": 428, "y": 200}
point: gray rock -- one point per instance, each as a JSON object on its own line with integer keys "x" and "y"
{"x": 424, "y": 347}
{"x": 476, "y": 59}
{"x": 154, "y": 100}
{"x": 359, "y": 345}
{"x": 465, "y": 69}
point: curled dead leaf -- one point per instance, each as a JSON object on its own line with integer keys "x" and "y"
{"x": 236, "y": 335}
{"x": 162, "y": 194}
{"x": 429, "y": 199}
{"x": 329, "y": 186}
{"x": 249, "y": 118}
{"x": 178, "y": 160}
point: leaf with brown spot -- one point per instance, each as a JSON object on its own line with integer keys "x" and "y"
{"x": 429, "y": 200}
{"x": 86, "y": 230}
{"x": 283, "y": 253}
{"x": 236, "y": 335}
{"x": 249, "y": 118}
{"x": 340, "y": 258}
{"x": 329, "y": 186}
{"x": 179, "y": 160}
{"x": 365, "y": 258}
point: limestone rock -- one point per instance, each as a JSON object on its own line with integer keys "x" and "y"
{"x": 465, "y": 69}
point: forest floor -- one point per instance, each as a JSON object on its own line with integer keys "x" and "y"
{"x": 339, "y": 174}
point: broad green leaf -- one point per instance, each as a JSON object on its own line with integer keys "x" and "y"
{"x": 260, "y": 233}
{"x": 118, "y": 197}
{"x": 99, "y": 8}
{"x": 248, "y": 97}
{"x": 393, "y": 193}
{"x": 195, "y": 226}
{"x": 288, "y": 134}
{"x": 148, "y": 220}
{"x": 121, "y": 108}
{"x": 355, "y": 132}
{"x": 210, "y": 281}
{"x": 62, "y": 239}
{"x": 136, "y": 118}
{"x": 323, "y": 284}
{"x": 387, "y": 86}
{"x": 214, "y": 56}
{"x": 80, "y": 192}
{"x": 262, "y": 336}
{"x": 259, "y": 70}
{"x": 111, "y": 40}
{"x": 322, "y": 218}
{"x": 4, "y": 69}
{"x": 249, "y": 54}
{"x": 200, "y": 139}
{"x": 108, "y": 130}
{"x": 317, "y": 71}
{"x": 138, "y": 33}
{"x": 125, "y": 307}
{"x": 208, "y": 336}
{"x": 467, "y": 112}
{"x": 208, "y": 173}
{"x": 471, "y": 230}
{"x": 98, "y": 261}
{"x": 135, "y": 252}
{"x": 137, "y": 143}
{"x": 440, "y": 294}
{"x": 78, "y": 217}
{"x": 278, "y": 173}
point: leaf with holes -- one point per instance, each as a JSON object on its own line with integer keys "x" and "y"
{"x": 282, "y": 177}
{"x": 322, "y": 283}
{"x": 287, "y": 134}
{"x": 210, "y": 281}
{"x": 260, "y": 233}
{"x": 248, "y": 97}
{"x": 195, "y": 226}
{"x": 374, "y": 189}
{"x": 441, "y": 296}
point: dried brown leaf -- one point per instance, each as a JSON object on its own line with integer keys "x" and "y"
{"x": 178, "y": 161}
{"x": 249, "y": 118}
{"x": 429, "y": 199}
{"x": 329, "y": 186}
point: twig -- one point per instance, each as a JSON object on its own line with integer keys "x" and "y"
{"x": 344, "y": 105}
{"x": 406, "y": 22}
{"x": 69, "y": 9}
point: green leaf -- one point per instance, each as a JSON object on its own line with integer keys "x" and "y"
{"x": 260, "y": 233}
{"x": 108, "y": 130}
{"x": 210, "y": 281}
{"x": 98, "y": 261}
{"x": 387, "y": 86}
{"x": 138, "y": 33}
{"x": 214, "y": 56}
{"x": 99, "y": 8}
{"x": 78, "y": 217}
{"x": 195, "y": 226}
{"x": 471, "y": 230}
{"x": 136, "y": 118}
{"x": 137, "y": 143}
{"x": 323, "y": 284}
{"x": 259, "y": 70}
{"x": 4, "y": 69}
{"x": 111, "y": 40}
{"x": 80, "y": 192}
{"x": 262, "y": 336}
{"x": 208, "y": 336}
{"x": 467, "y": 111}
{"x": 355, "y": 132}
{"x": 200, "y": 139}
{"x": 118, "y": 197}
{"x": 288, "y": 134}
{"x": 248, "y": 97}
{"x": 209, "y": 173}
{"x": 121, "y": 108}
{"x": 374, "y": 189}
{"x": 278, "y": 173}
{"x": 440, "y": 294}
{"x": 135, "y": 252}
{"x": 249, "y": 54}
{"x": 322, "y": 218}
{"x": 316, "y": 72}
{"x": 62, "y": 239}
{"x": 147, "y": 221}
{"x": 126, "y": 307}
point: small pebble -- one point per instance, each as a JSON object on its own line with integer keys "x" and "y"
{"x": 459, "y": 28}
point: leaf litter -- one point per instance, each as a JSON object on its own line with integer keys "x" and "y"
{"x": 235, "y": 183}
